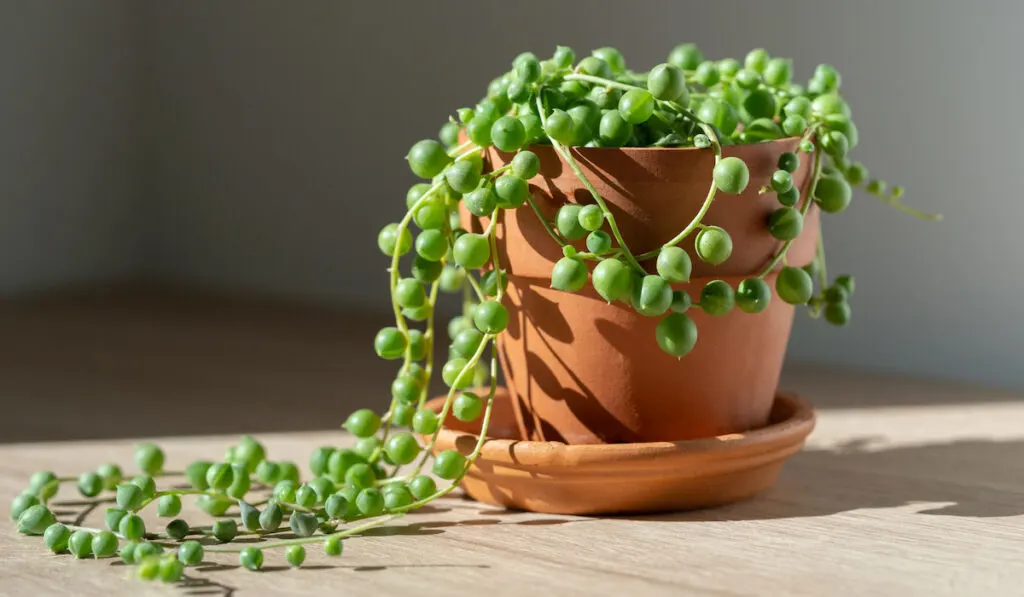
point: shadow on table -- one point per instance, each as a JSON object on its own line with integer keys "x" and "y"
{"x": 969, "y": 478}
{"x": 831, "y": 386}
{"x": 203, "y": 579}
{"x": 204, "y": 585}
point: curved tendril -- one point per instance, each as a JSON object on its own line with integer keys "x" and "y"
{"x": 487, "y": 411}
{"x": 819, "y": 256}
{"x": 443, "y": 414}
{"x": 472, "y": 361}
{"x": 543, "y": 221}
{"x": 481, "y": 439}
{"x": 899, "y": 205}
{"x": 695, "y": 223}
{"x": 157, "y": 495}
{"x": 566, "y": 154}
{"x": 495, "y": 263}
{"x": 816, "y": 303}
{"x": 312, "y": 538}
{"x": 455, "y": 151}
{"x": 475, "y": 287}
{"x": 75, "y": 527}
{"x": 428, "y": 338}
{"x": 601, "y": 81}
{"x": 672, "y": 114}
{"x": 400, "y": 321}
{"x": 808, "y": 201}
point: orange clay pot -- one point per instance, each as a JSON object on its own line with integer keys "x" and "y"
{"x": 582, "y": 371}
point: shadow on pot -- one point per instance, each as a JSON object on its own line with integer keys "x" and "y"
{"x": 584, "y": 406}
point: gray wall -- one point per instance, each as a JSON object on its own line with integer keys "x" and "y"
{"x": 69, "y": 113}
{"x": 275, "y": 133}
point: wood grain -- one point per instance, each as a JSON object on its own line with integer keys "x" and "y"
{"x": 907, "y": 487}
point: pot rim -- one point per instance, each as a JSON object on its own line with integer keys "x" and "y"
{"x": 628, "y": 150}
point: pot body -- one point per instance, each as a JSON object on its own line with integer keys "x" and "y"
{"x": 582, "y": 371}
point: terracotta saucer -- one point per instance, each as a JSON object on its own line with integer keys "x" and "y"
{"x": 558, "y": 478}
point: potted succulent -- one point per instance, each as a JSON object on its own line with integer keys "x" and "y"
{"x": 630, "y": 246}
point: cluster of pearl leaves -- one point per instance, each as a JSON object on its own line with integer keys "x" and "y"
{"x": 597, "y": 101}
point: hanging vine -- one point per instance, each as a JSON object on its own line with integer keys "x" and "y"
{"x": 687, "y": 102}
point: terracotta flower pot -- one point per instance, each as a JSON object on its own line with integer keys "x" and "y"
{"x": 582, "y": 371}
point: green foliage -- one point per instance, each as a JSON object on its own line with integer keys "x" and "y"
{"x": 496, "y": 157}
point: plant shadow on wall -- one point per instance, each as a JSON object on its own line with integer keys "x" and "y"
{"x": 949, "y": 479}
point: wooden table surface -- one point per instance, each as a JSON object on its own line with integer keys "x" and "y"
{"x": 906, "y": 487}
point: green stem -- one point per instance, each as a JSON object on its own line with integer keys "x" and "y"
{"x": 475, "y": 287}
{"x": 296, "y": 507}
{"x": 156, "y": 476}
{"x": 898, "y": 205}
{"x": 428, "y": 339}
{"x": 491, "y": 224}
{"x": 495, "y": 264}
{"x": 820, "y": 257}
{"x": 544, "y": 222}
{"x": 817, "y": 302}
{"x": 494, "y": 173}
{"x": 661, "y": 117}
{"x": 160, "y": 494}
{"x": 402, "y": 226}
{"x": 617, "y": 84}
{"x": 596, "y": 257}
{"x": 600, "y": 81}
{"x": 443, "y": 414}
{"x": 467, "y": 298}
{"x": 75, "y": 527}
{"x": 400, "y": 321}
{"x": 566, "y": 154}
{"x": 387, "y": 480}
{"x": 810, "y": 131}
{"x": 311, "y": 539}
{"x": 208, "y": 532}
{"x": 695, "y": 223}
{"x": 484, "y": 424}
{"x": 460, "y": 148}
{"x": 472, "y": 361}
{"x": 808, "y": 200}
{"x": 379, "y": 450}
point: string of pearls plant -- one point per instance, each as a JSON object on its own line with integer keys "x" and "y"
{"x": 594, "y": 102}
